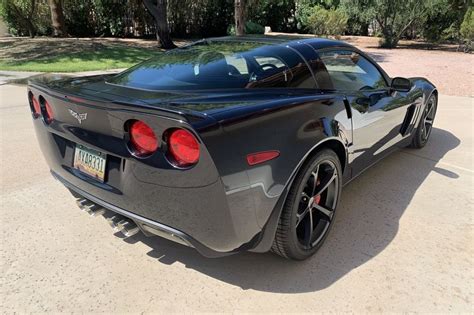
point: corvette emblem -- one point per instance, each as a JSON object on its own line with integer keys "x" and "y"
{"x": 79, "y": 117}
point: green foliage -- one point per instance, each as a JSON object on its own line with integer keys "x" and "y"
{"x": 250, "y": 28}
{"x": 327, "y": 21}
{"x": 278, "y": 14}
{"x": 26, "y": 17}
{"x": 202, "y": 18}
{"x": 434, "y": 20}
{"x": 359, "y": 16}
{"x": 254, "y": 28}
{"x": 118, "y": 18}
{"x": 444, "y": 20}
{"x": 304, "y": 9}
{"x": 467, "y": 26}
{"x": 394, "y": 17}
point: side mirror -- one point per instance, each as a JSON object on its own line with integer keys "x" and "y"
{"x": 401, "y": 84}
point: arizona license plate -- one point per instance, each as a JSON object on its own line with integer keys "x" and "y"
{"x": 90, "y": 162}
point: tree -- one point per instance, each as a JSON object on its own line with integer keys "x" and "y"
{"x": 394, "y": 17}
{"x": 467, "y": 26}
{"x": 239, "y": 17}
{"x": 158, "y": 9}
{"x": 57, "y": 18}
{"x": 20, "y": 13}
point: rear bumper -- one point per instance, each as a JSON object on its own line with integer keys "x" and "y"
{"x": 150, "y": 227}
{"x": 190, "y": 203}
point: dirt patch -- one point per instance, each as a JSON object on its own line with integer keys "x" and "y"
{"x": 452, "y": 72}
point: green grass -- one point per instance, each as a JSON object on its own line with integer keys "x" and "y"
{"x": 104, "y": 58}
{"x": 76, "y": 55}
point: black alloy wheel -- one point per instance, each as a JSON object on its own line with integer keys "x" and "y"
{"x": 425, "y": 126}
{"x": 310, "y": 207}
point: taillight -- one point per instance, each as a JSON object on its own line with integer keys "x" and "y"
{"x": 142, "y": 138}
{"x": 183, "y": 148}
{"x": 48, "y": 113}
{"x": 35, "y": 105}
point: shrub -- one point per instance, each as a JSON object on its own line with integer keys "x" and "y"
{"x": 250, "y": 28}
{"x": 254, "y": 28}
{"x": 467, "y": 26}
{"x": 327, "y": 22}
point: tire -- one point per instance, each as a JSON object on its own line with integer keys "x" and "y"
{"x": 306, "y": 220}
{"x": 423, "y": 131}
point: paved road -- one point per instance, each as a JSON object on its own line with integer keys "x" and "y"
{"x": 403, "y": 240}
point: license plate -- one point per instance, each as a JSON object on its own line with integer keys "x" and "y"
{"x": 90, "y": 162}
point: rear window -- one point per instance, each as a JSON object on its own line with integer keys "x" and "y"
{"x": 221, "y": 65}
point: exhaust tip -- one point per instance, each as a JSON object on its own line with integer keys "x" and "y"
{"x": 117, "y": 222}
{"x": 128, "y": 228}
{"x": 121, "y": 224}
{"x": 82, "y": 203}
{"x": 91, "y": 208}
{"x": 96, "y": 211}
{"x": 114, "y": 221}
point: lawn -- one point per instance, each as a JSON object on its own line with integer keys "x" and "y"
{"x": 72, "y": 55}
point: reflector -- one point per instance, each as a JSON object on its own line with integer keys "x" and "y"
{"x": 260, "y": 157}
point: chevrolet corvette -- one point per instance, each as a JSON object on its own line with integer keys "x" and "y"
{"x": 229, "y": 144}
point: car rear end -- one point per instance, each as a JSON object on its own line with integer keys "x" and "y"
{"x": 136, "y": 164}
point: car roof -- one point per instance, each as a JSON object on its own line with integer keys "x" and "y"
{"x": 316, "y": 42}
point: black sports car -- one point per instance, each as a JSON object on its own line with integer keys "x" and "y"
{"x": 228, "y": 144}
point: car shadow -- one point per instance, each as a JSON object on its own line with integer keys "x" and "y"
{"x": 366, "y": 223}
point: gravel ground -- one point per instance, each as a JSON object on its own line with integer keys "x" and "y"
{"x": 451, "y": 72}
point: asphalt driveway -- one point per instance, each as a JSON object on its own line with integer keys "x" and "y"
{"x": 402, "y": 241}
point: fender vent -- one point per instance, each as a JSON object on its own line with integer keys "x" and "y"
{"x": 408, "y": 119}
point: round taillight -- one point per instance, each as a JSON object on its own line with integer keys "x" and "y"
{"x": 48, "y": 115}
{"x": 183, "y": 147}
{"x": 35, "y": 106}
{"x": 142, "y": 138}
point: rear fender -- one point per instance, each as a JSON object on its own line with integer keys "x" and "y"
{"x": 269, "y": 230}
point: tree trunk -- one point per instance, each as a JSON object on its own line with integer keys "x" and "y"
{"x": 57, "y": 18}
{"x": 239, "y": 17}
{"x": 364, "y": 29}
{"x": 159, "y": 13}
{"x": 31, "y": 29}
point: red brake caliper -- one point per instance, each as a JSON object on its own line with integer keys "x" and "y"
{"x": 317, "y": 198}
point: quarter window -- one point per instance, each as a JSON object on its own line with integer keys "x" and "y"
{"x": 349, "y": 70}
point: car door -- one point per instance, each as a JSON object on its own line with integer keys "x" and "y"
{"x": 377, "y": 112}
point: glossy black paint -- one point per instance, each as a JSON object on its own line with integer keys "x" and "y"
{"x": 223, "y": 204}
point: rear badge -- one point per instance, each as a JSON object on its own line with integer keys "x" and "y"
{"x": 79, "y": 117}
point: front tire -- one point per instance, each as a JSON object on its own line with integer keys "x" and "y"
{"x": 310, "y": 207}
{"x": 423, "y": 131}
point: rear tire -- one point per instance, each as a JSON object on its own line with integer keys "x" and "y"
{"x": 423, "y": 131}
{"x": 310, "y": 207}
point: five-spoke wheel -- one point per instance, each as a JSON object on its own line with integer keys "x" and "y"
{"x": 317, "y": 204}
{"x": 310, "y": 207}
{"x": 422, "y": 134}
